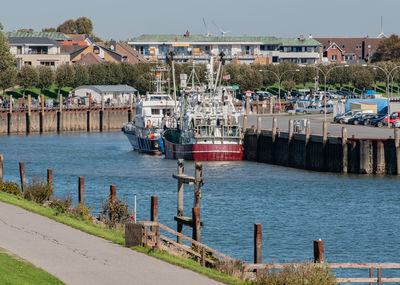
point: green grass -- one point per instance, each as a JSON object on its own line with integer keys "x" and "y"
{"x": 48, "y": 94}
{"x": 13, "y": 270}
{"x": 190, "y": 264}
{"x": 114, "y": 236}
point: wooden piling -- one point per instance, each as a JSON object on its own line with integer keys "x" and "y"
{"x": 28, "y": 115}
{"x": 154, "y": 209}
{"x": 1, "y": 169}
{"x": 196, "y": 235}
{"x": 113, "y": 193}
{"x": 366, "y": 156}
{"x": 324, "y": 133}
{"x": 259, "y": 125}
{"x": 23, "y": 177}
{"x": 397, "y": 146}
{"x": 380, "y": 158}
{"x": 257, "y": 243}
{"x": 274, "y": 126}
{"x": 318, "y": 251}
{"x": 42, "y": 102}
{"x": 50, "y": 178}
{"x": 180, "y": 199}
{"x": 11, "y": 104}
{"x": 197, "y": 185}
{"x": 81, "y": 190}
{"x": 306, "y": 140}
{"x": 345, "y": 159}
{"x": 371, "y": 275}
{"x": 379, "y": 276}
{"x": 41, "y": 114}
{"x": 88, "y": 120}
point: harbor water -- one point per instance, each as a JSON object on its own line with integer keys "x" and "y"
{"x": 357, "y": 216}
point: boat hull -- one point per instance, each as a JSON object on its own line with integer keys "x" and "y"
{"x": 146, "y": 145}
{"x": 203, "y": 152}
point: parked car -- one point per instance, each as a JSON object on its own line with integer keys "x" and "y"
{"x": 355, "y": 120}
{"x": 366, "y": 120}
{"x": 343, "y": 118}
{"x": 378, "y": 122}
{"x": 394, "y": 117}
{"x": 314, "y": 109}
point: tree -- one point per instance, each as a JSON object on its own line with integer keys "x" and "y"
{"x": 28, "y": 77}
{"x": 65, "y": 76}
{"x": 362, "y": 78}
{"x": 113, "y": 73}
{"x": 46, "y": 78}
{"x": 68, "y": 27}
{"x": 388, "y": 49}
{"x": 48, "y": 30}
{"x": 289, "y": 85}
{"x": 8, "y": 72}
{"x": 8, "y": 78}
{"x": 97, "y": 74}
{"x": 81, "y": 75}
{"x": 84, "y": 26}
{"x": 24, "y": 30}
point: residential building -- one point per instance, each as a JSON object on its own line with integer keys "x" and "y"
{"x": 37, "y": 51}
{"x": 55, "y": 36}
{"x": 245, "y": 49}
{"x": 131, "y": 55}
{"x": 348, "y": 50}
{"x": 100, "y": 51}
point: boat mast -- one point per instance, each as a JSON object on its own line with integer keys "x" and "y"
{"x": 170, "y": 59}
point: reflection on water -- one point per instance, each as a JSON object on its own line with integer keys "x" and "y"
{"x": 358, "y": 217}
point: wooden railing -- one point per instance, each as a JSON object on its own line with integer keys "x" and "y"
{"x": 261, "y": 268}
{"x": 152, "y": 238}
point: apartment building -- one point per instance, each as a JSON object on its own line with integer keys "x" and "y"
{"x": 37, "y": 51}
{"x": 245, "y": 49}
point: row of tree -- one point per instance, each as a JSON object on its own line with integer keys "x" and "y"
{"x": 252, "y": 77}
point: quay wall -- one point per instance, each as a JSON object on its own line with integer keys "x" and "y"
{"x": 66, "y": 120}
{"x": 324, "y": 152}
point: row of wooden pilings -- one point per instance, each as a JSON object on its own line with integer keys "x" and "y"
{"x": 62, "y": 122}
{"x": 318, "y": 247}
{"x": 322, "y": 152}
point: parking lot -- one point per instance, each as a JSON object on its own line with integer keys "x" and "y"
{"x": 316, "y": 126}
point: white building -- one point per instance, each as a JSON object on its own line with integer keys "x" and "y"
{"x": 116, "y": 94}
{"x": 245, "y": 49}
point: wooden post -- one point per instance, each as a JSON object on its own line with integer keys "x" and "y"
{"x": 259, "y": 125}
{"x": 244, "y": 123}
{"x": 290, "y": 131}
{"x": 344, "y": 150}
{"x": 379, "y": 276}
{"x": 397, "y": 146}
{"x": 366, "y": 157}
{"x": 154, "y": 209}
{"x": 318, "y": 251}
{"x": 60, "y": 103}
{"x": 41, "y": 114}
{"x": 22, "y": 176}
{"x": 324, "y": 133}
{"x": 113, "y": 193}
{"x": 1, "y": 169}
{"x": 180, "y": 199}
{"x": 90, "y": 101}
{"x": 50, "y": 178}
{"x": 196, "y": 224}
{"x": 274, "y": 126}
{"x": 257, "y": 244}
{"x": 11, "y": 104}
{"x": 42, "y": 102}
{"x": 197, "y": 185}
{"x": 81, "y": 190}
{"x": 380, "y": 158}
{"x": 371, "y": 275}
{"x": 28, "y": 115}
{"x": 290, "y": 138}
{"x": 306, "y": 140}
{"x": 156, "y": 230}
{"x": 203, "y": 257}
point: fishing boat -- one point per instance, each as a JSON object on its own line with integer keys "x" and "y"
{"x": 154, "y": 114}
{"x": 208, "y": 128}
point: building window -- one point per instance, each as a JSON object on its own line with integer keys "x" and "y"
{"x": 155, "y": 111}
{"x": 19, "y": 49}
{"x": 343, "y": 46}
{"x": 28, "y": 63}
{"x": 358, "y": 47}
{"x": 334, "y": 57}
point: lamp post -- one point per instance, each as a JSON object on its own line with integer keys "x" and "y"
{"x": 279, "y": 76}
{"x": 325, "y": 76}
{"x": 389, "y": 76}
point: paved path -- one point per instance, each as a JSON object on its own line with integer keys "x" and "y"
{"x": 316, "y": 126}
{"x": 79, "y": 258}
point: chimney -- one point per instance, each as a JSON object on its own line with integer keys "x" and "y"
{"x": 310, "y": 36}
{"x": 187, "y": 34}
{"x": 301, "y": 38}
{"x": 113, "y": 45}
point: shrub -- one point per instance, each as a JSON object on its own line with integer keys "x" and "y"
{"x": 117, "y": 212}
{"x": 38, "y": 190}
{"x": 232, "y": 267}
{"x": 83, "y": 212}
{"x": 10, "y": 188}
{"x": 61, "y": 205}
{"x": 305, "y": 273}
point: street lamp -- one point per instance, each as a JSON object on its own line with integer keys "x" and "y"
{"x": 325, "y": 76}
{"x": 388, "y": 76}
{"x": 279, "y": 79}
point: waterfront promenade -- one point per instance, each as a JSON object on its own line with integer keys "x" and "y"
{"x": 79, "y": 258}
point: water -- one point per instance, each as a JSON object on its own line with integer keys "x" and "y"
{"x": 357, "y": 216}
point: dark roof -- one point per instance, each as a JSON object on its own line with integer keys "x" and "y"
{"x": 32, "y": 41}
{"x": 132, "y": 51}
{"x": 57, "y": 36}
{"x": 71, "y": 49}
{"x": 348, "y": 45}
{"x": 108, "y": 88}
{"x": 117, "y": 56}
{"x": 90, "y": 59}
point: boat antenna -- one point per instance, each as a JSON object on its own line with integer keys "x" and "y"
{"x": 221, "y": 62}
{"x": 205, "y": 25}
{"x": 170, "y": 60}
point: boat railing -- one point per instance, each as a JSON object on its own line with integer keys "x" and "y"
{"x": 222, "y": 131}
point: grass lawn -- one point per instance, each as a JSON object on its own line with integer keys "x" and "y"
{"x": 114, "y": 236}
{"x": 48, "y": 94}
{"x": 14, "y": 270}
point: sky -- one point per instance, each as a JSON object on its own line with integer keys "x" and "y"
{"x": 125, "y": 19}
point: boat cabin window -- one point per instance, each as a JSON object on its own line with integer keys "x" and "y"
{"x": 166, "y": 112}
{"x": 155, "y": 111}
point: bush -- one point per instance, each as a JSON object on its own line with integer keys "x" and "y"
{"x": 305, "y": 273}
{"x": 10, "y": 188}
{"x": 61, "y": 205}
{"x": 232, "y": 267}
{"x": 83, "y": 212}
{"x": 38, "y": 190}
{"x": 117, "y": 212}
